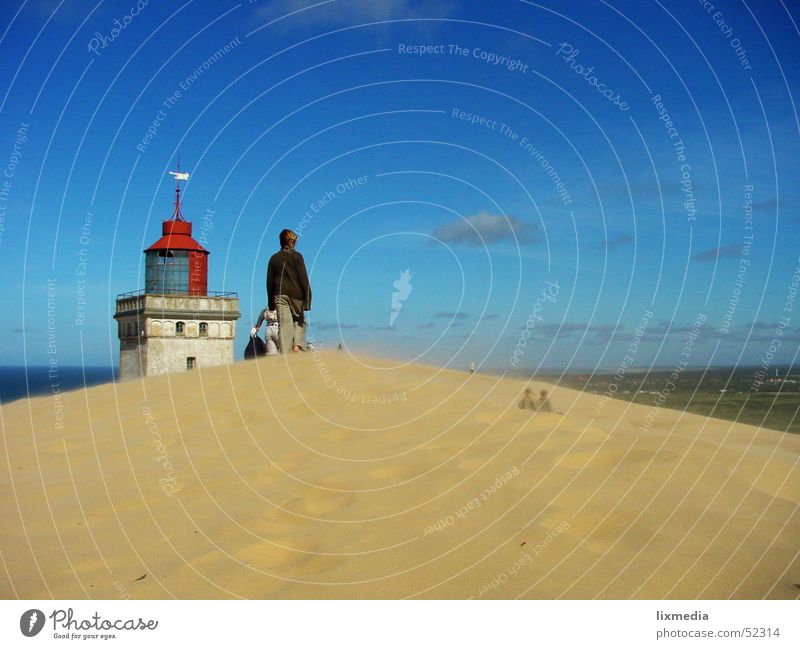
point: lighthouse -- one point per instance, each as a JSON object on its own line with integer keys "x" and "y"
{"x": 174, "y": 323}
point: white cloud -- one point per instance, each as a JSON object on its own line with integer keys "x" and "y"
{"x": 484, "y": 227}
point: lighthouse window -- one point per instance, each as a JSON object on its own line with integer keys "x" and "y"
{"x": 204, "y": 329}
{"x": 180, "y": 328}
{"x": 191, "y": 362}
{"x": 167, "y": 271}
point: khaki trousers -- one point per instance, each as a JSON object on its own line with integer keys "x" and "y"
{"x": 292, "y": 323}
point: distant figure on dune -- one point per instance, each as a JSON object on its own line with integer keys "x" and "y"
{"x": 544, "y": 402}
{"x": 472, "y": 368}
{"x": 289, "y": 293}
{"x": 271, "y": 333}
{"x": 528, "y": 403}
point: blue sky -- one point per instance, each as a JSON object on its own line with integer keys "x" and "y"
{"x": 306, "y": 98}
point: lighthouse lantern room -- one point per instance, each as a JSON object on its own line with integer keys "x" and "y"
{"x": 174, "y": 323}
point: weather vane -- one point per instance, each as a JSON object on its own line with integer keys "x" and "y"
{"x": 178, "y": 175}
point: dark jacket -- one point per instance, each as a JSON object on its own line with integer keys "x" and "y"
{"x": 286, "y": 275}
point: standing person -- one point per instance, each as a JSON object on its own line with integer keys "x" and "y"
{"x": 544, "y": 402}
{"x": 270, "y": 332}
{"x": 289, "y": 292}
{"x": 528, "y": 402}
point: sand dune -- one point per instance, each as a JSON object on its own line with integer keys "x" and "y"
{"x": 335, "y": 477}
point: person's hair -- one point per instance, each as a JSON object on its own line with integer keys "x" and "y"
{"x": 287, "y": 239}
{"x": 543, "y": 393}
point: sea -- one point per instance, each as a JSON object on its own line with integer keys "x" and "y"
{"x": 21, "y": 382}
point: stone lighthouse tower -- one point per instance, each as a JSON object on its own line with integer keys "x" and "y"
{"x": 175, "y": 324}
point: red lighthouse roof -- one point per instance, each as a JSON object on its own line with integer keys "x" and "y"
{"x": 176, "y": 231}
{"x": 176, "y": 235}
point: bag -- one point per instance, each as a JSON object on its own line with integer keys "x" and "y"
{"x": 255, "y": 348}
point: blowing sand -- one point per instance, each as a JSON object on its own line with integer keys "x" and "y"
{"x": 335, "y": 477}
